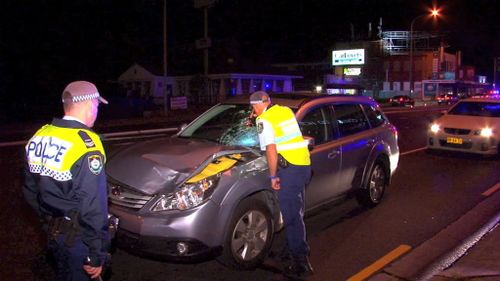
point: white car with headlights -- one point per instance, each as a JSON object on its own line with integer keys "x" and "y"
{"x": 471, "y": 125}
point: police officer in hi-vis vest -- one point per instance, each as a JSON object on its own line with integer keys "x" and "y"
{"x": 289, "y": 171}
{"x": 65, "y": 184}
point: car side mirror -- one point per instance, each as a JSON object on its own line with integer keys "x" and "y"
{"x": 310, "y": 142}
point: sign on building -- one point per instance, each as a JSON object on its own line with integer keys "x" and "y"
{"x": 348, "y": 57}
{"x": 352, "y": 71}
{"x": 430, "y": 89}
{"x": 178, "y": 103}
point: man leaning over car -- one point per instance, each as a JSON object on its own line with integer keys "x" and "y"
{"x": 289, "y": 170}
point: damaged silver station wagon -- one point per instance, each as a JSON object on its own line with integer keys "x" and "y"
{"x": 206, "y": 192}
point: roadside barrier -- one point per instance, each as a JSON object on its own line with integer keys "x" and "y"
{"x": 108, "y": 136}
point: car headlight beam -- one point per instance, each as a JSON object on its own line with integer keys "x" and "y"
{"x": 486, "y": 132}
{"x": 435, "y": 128}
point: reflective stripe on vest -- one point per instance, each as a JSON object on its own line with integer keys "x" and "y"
{"x": 53, "y": 150}
{"x": 287, "y": 136}
{"x": 291, "y": 146}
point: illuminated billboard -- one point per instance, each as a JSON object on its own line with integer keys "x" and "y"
{"x": 348, "y": 57}
{"x": 352, "y": 71}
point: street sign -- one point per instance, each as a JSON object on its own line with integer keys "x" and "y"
{"x": 203, "y": 43}
{"x": 203, "y": 3}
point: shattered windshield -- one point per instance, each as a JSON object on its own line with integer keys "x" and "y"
{"x": 225, "y": 124}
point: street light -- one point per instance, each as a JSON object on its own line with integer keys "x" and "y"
{"x": 434, "y": 13}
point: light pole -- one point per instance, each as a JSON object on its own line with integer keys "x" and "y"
{"x": 434, "y": 13}
{"x": 165, "y": 88}
{"x": 496, "y": 66}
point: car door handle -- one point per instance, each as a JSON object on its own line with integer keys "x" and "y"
{"x": 333, "y": 154}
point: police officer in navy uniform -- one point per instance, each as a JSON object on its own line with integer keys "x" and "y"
{"x": 289, "y": 163}
{"x": 65, "y": 183}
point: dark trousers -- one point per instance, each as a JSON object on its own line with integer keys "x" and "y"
{"x": 69, "y": 260}
{"x": 293, "y": 180}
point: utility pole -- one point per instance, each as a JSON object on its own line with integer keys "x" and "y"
{"x": 165, "y": 95}
{"x": 205, "y": 36}
{"x": 495, "y": 71}
{"x": 205, "y": 42}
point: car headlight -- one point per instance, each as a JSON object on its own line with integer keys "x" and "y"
{"x": 189, "y": 196}
{"x": 435, "y": 128}
{"x": 486, "y": 132}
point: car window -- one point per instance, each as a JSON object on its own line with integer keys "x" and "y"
{"x": 350, "y": 119}
{"x": 485, "y": 109}
{"x": 317, "y": 123}
{"x": 224, "y": 124}
{"x": 375, "y": 116}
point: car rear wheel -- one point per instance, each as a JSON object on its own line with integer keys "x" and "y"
{"x": 371, "y": 195}
{"x": 249, "y": 237}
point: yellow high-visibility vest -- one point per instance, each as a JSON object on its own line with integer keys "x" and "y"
{"x": 287, "y": 135}
{"x": 53, "y": 150}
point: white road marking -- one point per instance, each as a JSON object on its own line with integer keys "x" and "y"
{"x": 412, "y": 151}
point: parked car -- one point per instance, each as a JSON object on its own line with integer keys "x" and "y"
{"x": 205, "y": 192}
{"x": 402, "y": 100}
{"x": 446, "y": 99}
{"x": 471, "y": 125}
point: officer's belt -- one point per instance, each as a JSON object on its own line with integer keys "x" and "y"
{"x": 282, "y": 162}
{"x": 67, "y": 225}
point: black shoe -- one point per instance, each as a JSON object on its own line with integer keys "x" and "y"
{"x": 282, "y": 256}
{"x": 299, "y": 269}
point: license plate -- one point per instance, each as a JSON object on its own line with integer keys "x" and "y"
{"x": 454, "y": 140}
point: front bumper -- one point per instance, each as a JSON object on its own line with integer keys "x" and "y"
{"x": 163, "y": 248}
{"x": 463, "y": 143}
{"x": 157, "y": 235}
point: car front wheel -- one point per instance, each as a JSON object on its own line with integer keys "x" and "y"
{"x": 371, "y": 195}
{"x": 249, "y": 236}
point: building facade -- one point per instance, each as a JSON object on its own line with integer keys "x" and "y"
{"x": 138, "y": 82}
{"x": 396, "y": 65}
{"x": 392, "y": 65}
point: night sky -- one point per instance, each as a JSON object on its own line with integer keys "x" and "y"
{"x": 47, "y": 43}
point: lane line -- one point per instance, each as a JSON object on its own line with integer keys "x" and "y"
{"x": 491, "y": 190}
{"x": 380, "y": 263}
{"x": 411, "y": 111}
{"x": 412, "y": 151}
